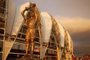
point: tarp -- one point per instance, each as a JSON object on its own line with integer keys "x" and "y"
{"x": 6, "y": 48}
{"x": 69, "y": 41}
{"x": 62, "y": 33}
{"x": 14, "y": 19}
{"x": 60, "y": 36}
{"x": 70, "y": 47}
{"x": 46, "y": 26}
{"x": 19, "y": 19}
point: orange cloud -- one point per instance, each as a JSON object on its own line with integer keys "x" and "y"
{"x": 75, "y": 25}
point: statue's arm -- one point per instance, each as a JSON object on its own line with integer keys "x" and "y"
{"x": 23, "y": 14}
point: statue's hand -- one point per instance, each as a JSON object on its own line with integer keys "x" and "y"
{"x": 24, "y": 12}
{"x": 25, "y": 22}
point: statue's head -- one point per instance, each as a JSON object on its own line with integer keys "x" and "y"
{"x": 29, "y": 11}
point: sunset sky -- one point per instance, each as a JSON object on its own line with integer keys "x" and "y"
{"x": 63, "y": 8}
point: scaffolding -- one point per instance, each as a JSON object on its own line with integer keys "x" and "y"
{"x": 3, "y": 16}
{"x": 18, "y": 48}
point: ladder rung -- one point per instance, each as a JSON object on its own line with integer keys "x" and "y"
{"x": 21, "y": 38}
{"x": 2, "y": 28}
{"x": 1, "y": 34}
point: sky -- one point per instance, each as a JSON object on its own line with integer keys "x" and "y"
{"x": 63, "y": 8}
{"x": 74, "y": 15}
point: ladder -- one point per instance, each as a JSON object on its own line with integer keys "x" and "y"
{"x": 3, "y": 17}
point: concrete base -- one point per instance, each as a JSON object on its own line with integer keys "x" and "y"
{"x": 27, "y": 57}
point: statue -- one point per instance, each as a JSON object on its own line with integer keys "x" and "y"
{"x": 31, "y": 19}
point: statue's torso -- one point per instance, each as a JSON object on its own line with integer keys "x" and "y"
{"x": 31, "y": 23}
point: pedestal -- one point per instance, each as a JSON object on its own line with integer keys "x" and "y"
{"x": 26, "y": 57}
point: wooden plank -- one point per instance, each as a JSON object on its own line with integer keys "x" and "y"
{"x": 7, "y": 47}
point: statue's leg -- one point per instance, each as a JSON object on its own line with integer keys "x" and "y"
{"x": 27, "y": 42}
{"x": 32, "y": 33}
{"x": 27, "y": 48}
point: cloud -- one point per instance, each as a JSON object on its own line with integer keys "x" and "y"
{"x": 75, "y": 25}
